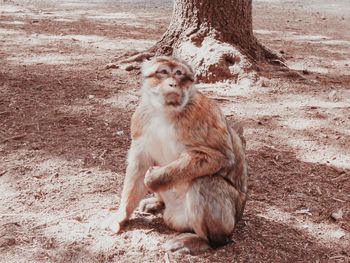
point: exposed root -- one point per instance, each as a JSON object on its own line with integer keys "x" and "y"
{"x": 130, "y": 60}
{"x": 212, "y": 58}
{"x": 138, "y": 57}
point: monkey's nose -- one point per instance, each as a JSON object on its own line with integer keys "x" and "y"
{"x": 171, "y": 82}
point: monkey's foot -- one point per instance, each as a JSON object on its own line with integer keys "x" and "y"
{"x": 187, "y": 243}
{"x": 151, "y": 205}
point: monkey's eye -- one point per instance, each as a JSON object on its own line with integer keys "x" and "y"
{"x": 178, "y": 72}
{"x": 163, "y": 71}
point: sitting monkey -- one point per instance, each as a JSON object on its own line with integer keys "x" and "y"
{"x": 184, "y": 151}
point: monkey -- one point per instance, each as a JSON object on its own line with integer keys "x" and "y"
{"x": 184, "y": 151}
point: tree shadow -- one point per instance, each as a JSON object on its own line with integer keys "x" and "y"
{"x": 261, "y": 240}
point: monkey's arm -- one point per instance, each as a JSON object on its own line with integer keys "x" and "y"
{"x": 134, "y": 189}
{"x": 192, "y": 163}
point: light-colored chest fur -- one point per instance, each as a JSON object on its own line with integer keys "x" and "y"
{"x": 160, "y": 140}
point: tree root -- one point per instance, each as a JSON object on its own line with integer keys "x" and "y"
{"x": 213, "y": 60}
{"x": 138, "y": 57}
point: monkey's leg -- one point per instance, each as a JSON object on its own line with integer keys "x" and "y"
{"x": 152, "y": 205}
{"x": 134, "y": 189}
{"x": 211, "y": 211}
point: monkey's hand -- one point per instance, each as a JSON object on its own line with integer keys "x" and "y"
{"x": 115, "y": 222}
{"x": 153, "y": 178}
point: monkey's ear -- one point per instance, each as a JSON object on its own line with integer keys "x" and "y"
{"x": 189, "y": 69}
{"x": 192, "y": 76}
{"x": 149, "y": 67}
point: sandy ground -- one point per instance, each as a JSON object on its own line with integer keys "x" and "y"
{"x": 64, "y": 133}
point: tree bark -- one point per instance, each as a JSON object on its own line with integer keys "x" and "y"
{"x": 215, "y": 37}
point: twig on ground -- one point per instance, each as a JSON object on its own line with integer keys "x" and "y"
{"x": 149, "y": 231}
{"x": 102, "y": 154}
{"x": 53, "y": 176}
{"x": 167, "y": 258}
{"x": 17, "y": 137}
{"x": 303, "y": 211}
{"x": 3, "y": 172}
{"x": 24, "y": 249}
{"x": 339, "y": 177}
{"x": 277, "y": 164}
{"x": 279, "y": 62}
{"x": 26, "y": 233}
{"x": 318, "y": 190}
{"x": 220, "y": 98}
{"x": 338, "y": 257}
{"x": 339, "y": 200}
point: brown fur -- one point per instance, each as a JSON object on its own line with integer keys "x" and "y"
{"x": 202, "y": 178}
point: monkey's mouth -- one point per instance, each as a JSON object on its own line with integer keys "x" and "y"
{"x": 173, "y": 99}
{"x": 173, "y": 103}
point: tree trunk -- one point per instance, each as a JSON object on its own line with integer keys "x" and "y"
{"x": 215, "y": 37}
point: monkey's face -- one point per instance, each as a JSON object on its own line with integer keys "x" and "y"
{"x": 167, "y": 83}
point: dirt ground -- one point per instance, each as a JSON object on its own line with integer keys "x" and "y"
{"x": 64, "y": 133}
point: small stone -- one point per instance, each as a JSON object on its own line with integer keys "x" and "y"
{"x": 111, "y": 65}
{"x": 332, "y": 95}
{"x": 91, "y": 97}
{"x": 130, "y": 68}
{"x": 119, "y": 133}
{"x": 78, "y": 218}
{"x": 264, "y": 84}
{"x": 338, "y": 215}
{"x": 10, "y": 242}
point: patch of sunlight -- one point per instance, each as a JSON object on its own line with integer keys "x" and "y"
{"x": 314, "y": 152}
{"x": 325, "y": 233}
{"x": 48, "y": 59}
{"x": 303, "y": 123}
{"x": 123, "y": 100}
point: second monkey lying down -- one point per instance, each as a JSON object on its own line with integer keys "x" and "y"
{"x": 183, "y": 151}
